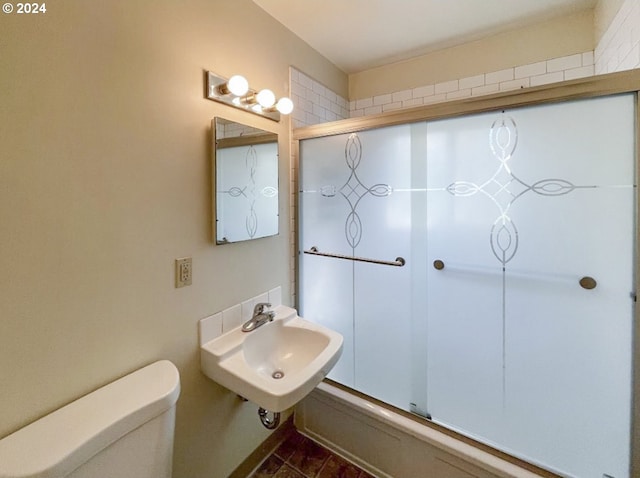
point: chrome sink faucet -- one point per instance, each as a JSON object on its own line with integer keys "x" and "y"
{"x": 260, "y": 317}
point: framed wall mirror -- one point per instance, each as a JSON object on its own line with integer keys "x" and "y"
{"x": 245, "y": 182}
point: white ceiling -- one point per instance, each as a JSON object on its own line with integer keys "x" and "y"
{"x": 360, "y": 34}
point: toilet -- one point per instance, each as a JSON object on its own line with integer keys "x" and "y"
{"x": 122, "y": 430}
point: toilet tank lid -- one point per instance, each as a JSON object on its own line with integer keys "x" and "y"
{"x": 60, "y": 442}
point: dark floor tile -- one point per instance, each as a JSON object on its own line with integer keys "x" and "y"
{"x": 287, "y": 447}
{"x": 337, "y": 467}
{"x": 287, "y": 472}
{"x": 308, "y": 457}
{"x": 268, "y": 468}
{"x": 364, "y": 474}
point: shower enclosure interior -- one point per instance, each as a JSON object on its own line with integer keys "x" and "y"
{"x": 481, "y": 270}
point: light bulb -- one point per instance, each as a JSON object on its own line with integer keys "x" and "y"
{"x": 266, "y": 98}
{"x": 238, "y": 85}
{"x": 284, "y": 105}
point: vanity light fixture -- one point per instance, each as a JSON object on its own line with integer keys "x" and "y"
{"x": 236, "y": 92}
{"x": 284, "y": 105}
{"x": 266, "y": 98}
{"x": 237, "y": 86}
{"x": 263, "y": 98}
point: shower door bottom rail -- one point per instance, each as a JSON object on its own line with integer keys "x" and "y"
{"x": 399, "y": 262}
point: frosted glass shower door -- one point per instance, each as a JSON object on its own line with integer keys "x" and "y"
{"x": 325, "y": 285}
{"x": 358, "y": 195}
{"x": 528, "y": 209}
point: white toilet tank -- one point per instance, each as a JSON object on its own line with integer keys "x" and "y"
{"x": 122, "y": 430}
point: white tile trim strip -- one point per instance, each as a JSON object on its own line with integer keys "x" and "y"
{"x": 570, "y": 67}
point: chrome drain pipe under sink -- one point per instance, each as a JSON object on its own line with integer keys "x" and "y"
{"x": 269, "y": 423}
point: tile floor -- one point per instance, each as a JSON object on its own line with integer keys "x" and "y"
{"x": 300, "y": 457}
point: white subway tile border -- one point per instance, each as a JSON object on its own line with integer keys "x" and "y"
{"x": 582, "y": 72}
{"x": 471, "y": 82}
{"x": 532, "y": 69}
{"x": 564, "y": 63}
{"x": 314, "y": 103}
{"x": 547, "y": 78}
{"x": 446, "y": 87}
{"x": 569, "y": 67}
{"x": 485, "y": 90}
{"x": 499, "y": 76}
{"x": 423, "y": 91}
{"x": 515, "y": 84}
{"x": 454, "y": 95}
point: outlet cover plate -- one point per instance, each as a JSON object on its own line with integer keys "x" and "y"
{"x": 183, "y": 272}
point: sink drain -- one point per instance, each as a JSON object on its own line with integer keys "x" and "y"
{"x": 277, "y": 374}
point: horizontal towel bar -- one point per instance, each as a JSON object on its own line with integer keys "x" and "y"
{"x": 399, "y": 262}
{"x": 585, "y": 282}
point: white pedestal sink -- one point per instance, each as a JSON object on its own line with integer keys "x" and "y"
{"x": 275, "y": 365}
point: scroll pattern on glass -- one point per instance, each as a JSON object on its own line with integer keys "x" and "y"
{"x": 504, "y": 188}
{"x": 250, "y": 191}
{"x": 354, "y": 190}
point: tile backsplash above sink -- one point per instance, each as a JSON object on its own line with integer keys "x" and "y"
{"x": 217, "y": 324}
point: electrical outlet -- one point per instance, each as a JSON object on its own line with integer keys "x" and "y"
{"x": 183, "y": 272}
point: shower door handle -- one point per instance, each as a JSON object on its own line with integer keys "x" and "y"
{"x": 588, "y": 283}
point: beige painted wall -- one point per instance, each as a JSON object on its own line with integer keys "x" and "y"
{"x": 105, "y": 180}
{"x": 551, "y": 39}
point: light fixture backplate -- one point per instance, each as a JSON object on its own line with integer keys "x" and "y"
{"x": 214, "y": 81}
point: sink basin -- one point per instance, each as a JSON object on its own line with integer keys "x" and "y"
{"x": 275, "y": 365}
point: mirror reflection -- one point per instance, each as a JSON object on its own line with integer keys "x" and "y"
{"x": 246, "y": 182}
